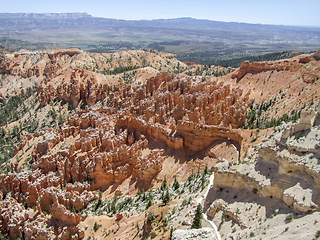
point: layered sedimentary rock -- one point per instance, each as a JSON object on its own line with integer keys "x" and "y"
{"x": 256, "y": 67}
{"x": 305, "y": 123}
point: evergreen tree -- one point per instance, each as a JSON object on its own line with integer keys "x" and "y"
{"x": 197, "y": 220}
{"x": 150, "y": 198}
{"x": 206, "y": 169}
{"x": 149, "y": 203}
{"x": 144, "y": 197}
{"x": 164, "y": 184}
{"x": 203, "y": 181}
{"x": 165, "y": 197}
{"x": 176, "y": 184}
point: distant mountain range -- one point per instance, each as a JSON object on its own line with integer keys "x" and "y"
{"x": 189, "y": 38}
{"x": 30, "y": 21}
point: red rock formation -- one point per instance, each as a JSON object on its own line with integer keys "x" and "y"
{"x": 165, "y": 108}
{"x": 60, "y": 213}
{"x": 305, "y": 59}
{"x": 44, "y": 189}
{"x": 12, "y": 216}
{"x": 38, "y": 228}
{"x": 104, "y": 145}
{"x": 256, "y": 67}
{"x": 4, "y": 65}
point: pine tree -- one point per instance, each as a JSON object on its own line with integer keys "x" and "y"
{"x": 164, "y": 184}
{"x": 206, "y": 169}
{"x": 176, "y": 184}
{"x": 150, "y": 198}
{"x": 144, "y": 197}
{"x": 203, "y": 181}
{"x": 197, "y": 220}
{"x": 165, "y": 197}
{"x": 149, "y": 203}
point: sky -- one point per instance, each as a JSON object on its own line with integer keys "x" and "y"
{"x": 278, "y": 12}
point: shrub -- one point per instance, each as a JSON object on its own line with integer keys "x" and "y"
{"x": 289, "y": 217}
{"x": 184, "y": 202}
{"x": 150, "y": 216}
{"x": 96, "y": 226}
{"x": 298, "y": 135}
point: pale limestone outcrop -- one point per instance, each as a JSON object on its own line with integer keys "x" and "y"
{"x": 305, "y": 123}
{"x": 221, "y": 205}
{"x": 291, "y": 178}
{"x": 197, "y": 234}
{"x": 300, "y": 199}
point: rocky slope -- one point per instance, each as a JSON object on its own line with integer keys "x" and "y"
{"x": 99, "y": 130}
{"x": 280, "y": 178}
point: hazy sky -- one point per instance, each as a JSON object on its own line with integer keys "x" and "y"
{"x": 280, "y": 12}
